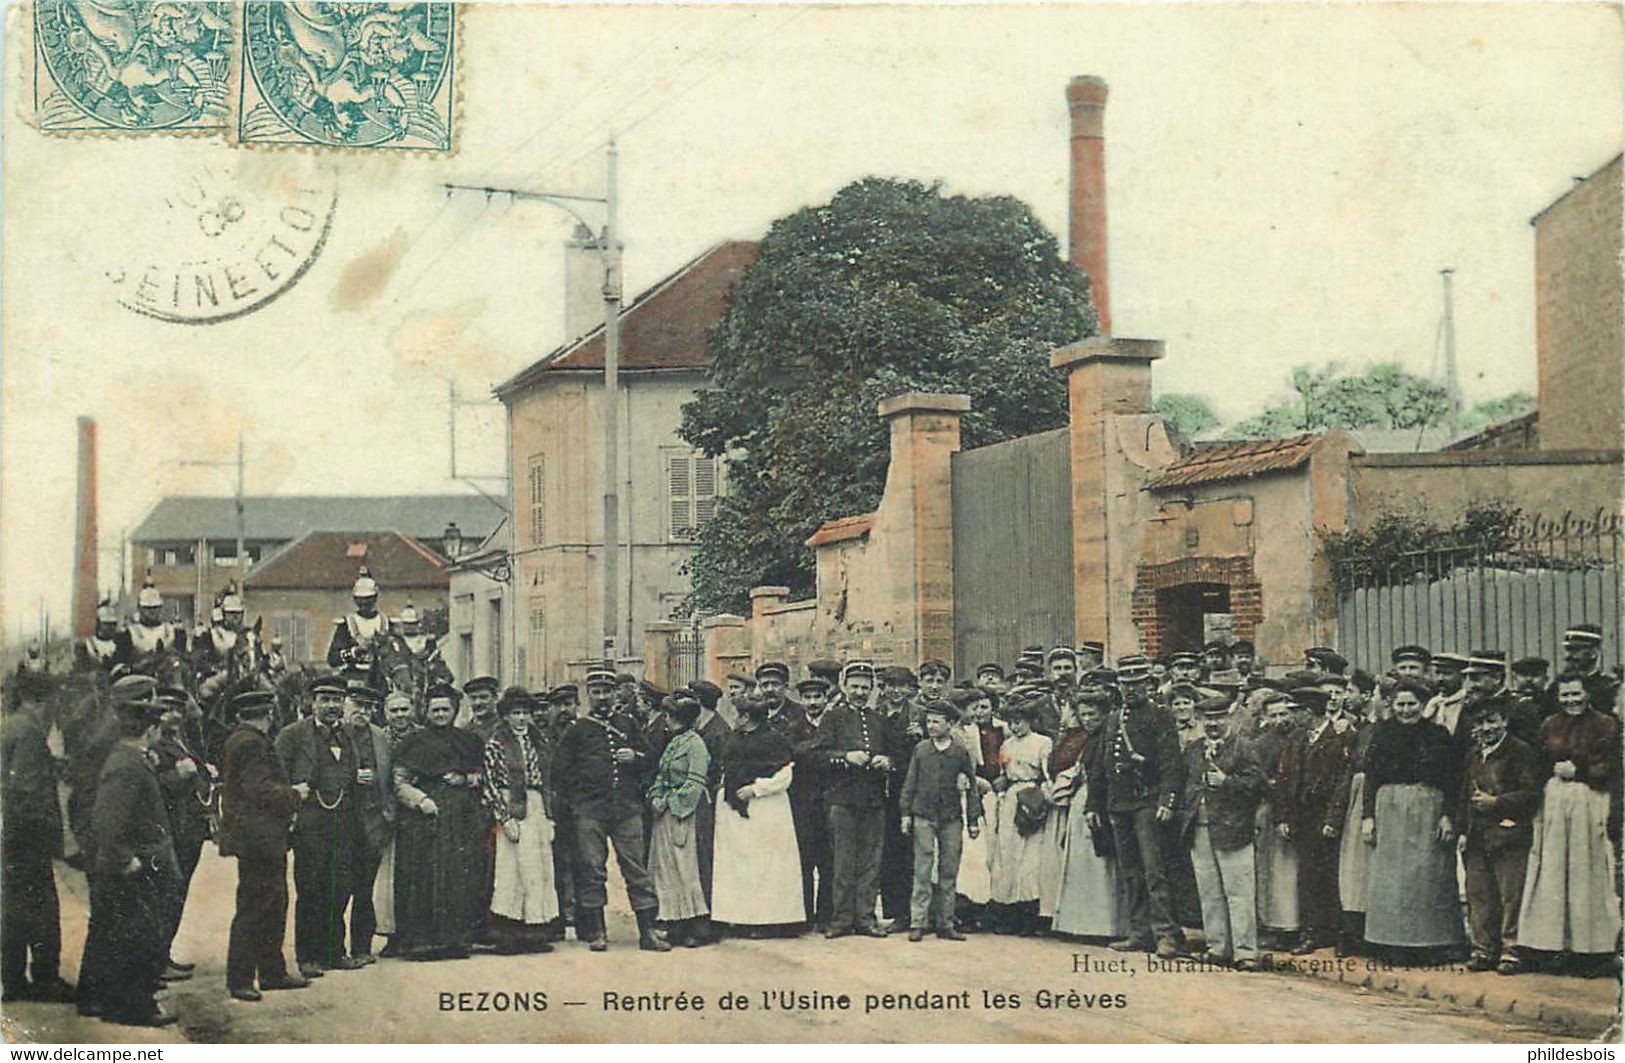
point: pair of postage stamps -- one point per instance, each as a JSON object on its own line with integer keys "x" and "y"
{"x": 272, "y": 72}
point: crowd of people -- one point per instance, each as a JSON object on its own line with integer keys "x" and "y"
{"x": 1317, "y": 807}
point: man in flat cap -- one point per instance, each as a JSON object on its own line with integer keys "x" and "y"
{"x": 30, "y": 921}
{"x": 320, "y": 753}
{"x": 990, "y": 677}
{"x": 1091, "y": 655}
{"x": 1582, "y": 655}
{"x": 772, "y": 682}
{"x": 1411, "y": 661}
{"x": 1484, "y": 685}
{"x": 1135, "y": 789}
{"x": 809, "y": 802}
{"x": 1215, "y": 656}
{"x": 1223, "y": 786}
{"x": 898, "y": 691}
{"x": 257, "y": 806}
{"x": 1243, "y": 657}
{"x": 1316, "y": 809}
{"x": 133, "y": 877}
{"x": 858, "y": 745}
{"x": 1325, "y": 660}
{"x": 481, "y": 694}
{"x": 603, "y": 768}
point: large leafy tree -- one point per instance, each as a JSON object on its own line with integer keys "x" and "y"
{"x": 1189, "y": 415}
{"x": 1385, "y": 396}
{"x": 891, "y": 286}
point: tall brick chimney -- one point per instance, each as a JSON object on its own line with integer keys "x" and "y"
{"x": 84, "y": 540}
{"x": 1086, "y": 222}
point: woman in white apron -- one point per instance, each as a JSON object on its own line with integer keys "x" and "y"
{"x": 522, "y": 895}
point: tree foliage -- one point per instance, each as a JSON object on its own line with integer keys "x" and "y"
{"x": 1490, "y": 411}
{"x": 1384, "y": 396}
{"x": 890, "y": 287}
{"x": 1403, "y": 546}
{"x": 1189, "y": 415}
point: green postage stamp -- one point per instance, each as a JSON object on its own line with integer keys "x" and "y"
{"x": 355, "y": 75}
{"x": 131, "y": 65}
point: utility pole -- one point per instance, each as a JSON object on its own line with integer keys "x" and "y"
{"x": 237, "y": 501}
{"x": 609, "y": 250}
{"x": 1452, "y": 387}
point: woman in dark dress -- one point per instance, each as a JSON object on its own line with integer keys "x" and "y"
{"x": 1412, "y": 774}
{"x": 438, "y": 861}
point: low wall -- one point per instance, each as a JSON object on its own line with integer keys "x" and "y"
{"x": 1440, "y": 486}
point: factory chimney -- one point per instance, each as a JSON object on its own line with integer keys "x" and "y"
{"x": 1086, "y": 222}
{"x": 84, "y": 540}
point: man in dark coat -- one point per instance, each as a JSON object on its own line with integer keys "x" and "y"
{"x": 809, "y": 802}
{"x": 30, "y": 924}
{"x": 603, "y": 768}
{"x": 857, "y": 745}
{"x": 133, "y": 876}
{"x": 183, "y": 776}
{"x": 1322, "y": 769}
{"x": 1134, "y": 786}
{"x": 772, "y": 684}
{"x": 897, "y": 689}
{"x": 1224, "y": 784}
{"x": 257, "y": 806}
{"x": 563, "y": 703}
{"x": 1499, "y": 794}
{"x": 375, "y": 811}
{"x": 320, "y": 752}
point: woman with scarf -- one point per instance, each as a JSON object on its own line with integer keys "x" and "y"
{"x": 1090, "y": 904}
{"x": 1017, "y": 856}
{"x": 1064, "y": 769}
{"x": 757, "y": 881}
{"x": 675, "y": 797}
{"x": 438, "y": 862}
{"x": 1569, "y": 905}
{"x": 523, "y": 897}
{"x": 400, "y": 720}
{"x": 1412, "y": 775}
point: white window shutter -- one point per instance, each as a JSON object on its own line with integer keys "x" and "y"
{"x": 679, "y": 483}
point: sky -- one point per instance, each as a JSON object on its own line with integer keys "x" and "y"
{"x": 1285, "y": 183}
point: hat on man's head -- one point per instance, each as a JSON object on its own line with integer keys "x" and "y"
{"x": 364, "y": 586}
{"x": 1453, "y": 662}
{"x": 650, "y": 691}
{"x": 562, "y": 693}
{"x": 739, "y": 677}
{"x": 940, "y": 707}
{"x": 812, "y": 683}
{"x": 135, "y": 687}
{"x": 773, "y": 669}
{"x": 1094, "y": 646}
{"x": 933, "y": 666}
{"x": 485, "y": 683}
{"x": 896, "y": 675}
{"x": 600, "y": 674}
{"x": 1185, "y": 659}
{"x": 106, "y": 614}
{"x": 1327, "y": 659}
{"x": 1133, "y": 668}
{"x": 825, "y": 668}
{"x": 708, "y": 692}
{"x": 989, "y": 669}
{"x": 357, "y": 689}
{"x": 1301, "y": 677}
{"x": 1242, "y": 646}
{"x": 1487, "y": 661}
{"x": 1585, "y": 634}
{"x": 1410, "y": 652}
{"x": 1226, "y": 679}
{"x": 1531, "y": 666}
{"x": 1216, "y": 644}
{"x": 327, "y": 684}
{"x": 1312, "y": 698}
{"x": 1066, "y": 652}
{"x": 443, "y": 690}
{"x": 253, "y": 704}
{"x": 1214, "y": 706}
{"x": 863, "y": 669}
{"x": 1101, "y": 678}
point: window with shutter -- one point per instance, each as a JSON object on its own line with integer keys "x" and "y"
{"x": 538, "y": 499}
{"x": 679, "y": 486}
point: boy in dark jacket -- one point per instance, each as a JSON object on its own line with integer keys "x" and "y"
{"x": 934, "y": 808}
{"x": 1500, "y": 791}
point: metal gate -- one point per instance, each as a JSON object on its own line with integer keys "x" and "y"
{"x": 1516, "y": 593}
{"x": 687, "y": 649}
{"x": 1012, "y": 514}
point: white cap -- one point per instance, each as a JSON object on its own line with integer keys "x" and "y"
{"x": 105, "y": 614}
{"x": 409, "y": 615}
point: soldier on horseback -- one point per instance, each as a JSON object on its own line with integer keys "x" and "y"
{"x": 151, "y": 635}
{"x": 106, "y": 647}
{"x": 227, "y": 646}
{"x": 359, "y": 635}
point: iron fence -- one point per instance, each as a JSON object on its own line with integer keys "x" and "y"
{"x": 1516, "y": 592}
{"x": 687, "y": 651}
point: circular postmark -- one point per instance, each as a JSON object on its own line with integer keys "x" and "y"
{"x": 134, "y": 65}
{"x": 350, "y": 74}
{"x": 205, "y": 244}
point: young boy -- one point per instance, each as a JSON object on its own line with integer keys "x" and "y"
{"x": 939, "y": 795}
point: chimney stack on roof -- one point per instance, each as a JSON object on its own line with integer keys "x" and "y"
{"x": 1086, "y": 100}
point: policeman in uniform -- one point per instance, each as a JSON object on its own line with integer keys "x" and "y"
{"x": 1582, "y": 654}
{"x": 257, "y": 806}
{"x": 772, "y": 680}
{"x": 319, "y": 753}
{"x": 105, "y": 647}
{"x": 150, "y": 636}
{"x": 133, "y": 877}
{"x": 858, "y": 745}
{"x": 357, "y": 635}
{"x": 809, "y": 802}
{"x": 604, "y": 767}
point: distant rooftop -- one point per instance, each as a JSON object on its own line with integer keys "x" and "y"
{"x": 1236, "y": 460}
{"x": 332, "y": 560}
{"x": 666, "y": 327}
{"x": 186, "y": 518}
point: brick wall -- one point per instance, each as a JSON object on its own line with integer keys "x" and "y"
{"x": 1236, "y": 573}
{"x": 1579, "y": 343}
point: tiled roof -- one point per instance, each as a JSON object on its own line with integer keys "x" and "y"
{"x": 667, "y": 327}
{"x": 1235, "y": 460}
{"x": 331, "y": 560}
{"x": 280, "y": 517}
{"x": 841, "y": 529}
